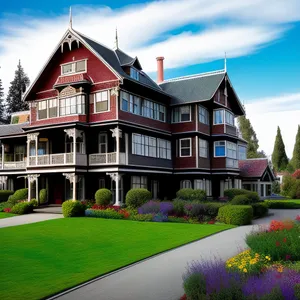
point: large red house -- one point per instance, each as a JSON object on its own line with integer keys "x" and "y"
{"x": 98, "y": 120}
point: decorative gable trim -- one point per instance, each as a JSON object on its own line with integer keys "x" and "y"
{"x": 69, "y": 39}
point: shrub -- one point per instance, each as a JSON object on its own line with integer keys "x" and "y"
{"x": 4, "y": 194}
{"x": 260, "y": 209}
{"x": 296, "y": 174}
{"x": 231, "y": 193}
{"x": 4, "y": 205}
{"x": 291, "y": 187}
{"x": 240, "y": 200}
{"x": 7, "y": 209}
{"x": 195, "y": 210}
{"x": 160, "y": 217}
{"x": 72, "y": 208}
{"x": 103, "y": 197}
{"x": 212, "y": 209}
{"x": 105, "y": 214}
{"x": 154, "y": 207}
{"x": 173, "y": 219}
{"x": 18, "y": 195}
{"x": 283, "y": 204}
{"x": 43, "y": 196}
{"x": 141, "y": 218}
{"x": 178, "y": 207}
{"x": 33, "y": 202}
{"x": 276, "y": 187}
{"x": 190, "y": 195}
{"x": 236, "y": 214}
{"x": 137, "y": 197}
{"x": 22, "y": 208}
{"x": 253, "y": 197}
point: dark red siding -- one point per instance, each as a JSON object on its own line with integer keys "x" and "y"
{"x": 109, "y": 115}
{"x": 186, "y": 162}
{"x": 218, "y": 129}
{"x": 203, "y": 128}
{"x": 218, "y": 163}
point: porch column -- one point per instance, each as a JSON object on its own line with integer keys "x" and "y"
{"x": 117, "y": 133}
{"x": 32, "y": 178}
{"x": 116, "y": 177}
{"x": 32, "y": 137}
{"x": 74, "y": 133}
{"x": 258, "y": 188}
{"x": 72, "y": 177}
{"x": 3, "y": 182}
{"x": 2, "y": 156}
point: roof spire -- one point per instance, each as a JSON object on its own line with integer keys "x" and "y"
{"x": 70, "y": 18}
{"x": 225, "y": 63}
{"x": 116, "y": 39}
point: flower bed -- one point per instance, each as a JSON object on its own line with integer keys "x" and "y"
{"x": 265, "y": 271}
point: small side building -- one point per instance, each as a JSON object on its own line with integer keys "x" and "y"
{"x": 257, "y": 176}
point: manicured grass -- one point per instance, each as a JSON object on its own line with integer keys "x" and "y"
{"x": 6, "y": 215}
{"x": 41, "y": 259}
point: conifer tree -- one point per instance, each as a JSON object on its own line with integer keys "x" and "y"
{"x": 279, "y": 157}
{"x": 16, "y": 90}
{"x": 295, "y": 162}
{"x": 2, "y": 107}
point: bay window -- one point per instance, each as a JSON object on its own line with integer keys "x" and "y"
{"x": 220, "y": 149}
{"x": 181, "y": 114}
{"x": 229, "y": 118}
{"x": 203, "y": 148}
{"x": 101, "y": 101}
{"x": 164, "y": 149}
{"x": 72, "y": 105}
{"x": 52, "y": 104}
{"x": 203, "y": 115}
{"x": 125, "y": 101}
{"x": 222, "y": 116}
{"x": 225, "y": 149}
{"x": 218, "y": 116}
{"x": 231, "y": 150}
{"x": 242, "y": 153}
{"x": 185, "y": 146}
{"x": 185, "y": 184}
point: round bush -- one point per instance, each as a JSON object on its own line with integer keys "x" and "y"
{"x": 72, "y": 208}
{"x": 190, "y": 195}
{"x": 253, "y": 197}
{"x": 18, "y": 195}
{"x": 236, "y": 214}
{"x": 231, "y": 193}
{"x": 43, "y": 196}
{"x": 260, "y": 209}
{"x": 33, "y": 202}
{"x": 137, "y": 197}
{"x": 22, "y": 208}
{"x": 4, "y": 194}
{"x": 240, "y": 200}
{"x": 103, "y": 197}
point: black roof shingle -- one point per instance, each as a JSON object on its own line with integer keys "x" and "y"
{"x": 12, "y": 129}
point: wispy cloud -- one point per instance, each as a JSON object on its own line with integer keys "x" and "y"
{"x": 249, "y": 25}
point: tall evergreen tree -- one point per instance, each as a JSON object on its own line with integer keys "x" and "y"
{"x": 16, "y": 90}
{"x": 279, "y": 157}
{"x": 249, "y": 135}
{"x": 2, "y": 107}
{"x": 295, "y": 162}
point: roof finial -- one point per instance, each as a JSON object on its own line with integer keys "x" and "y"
{"x": 70, "y": 16}
{"x": 225, "y": 63}
{"x": 116, "y": 40}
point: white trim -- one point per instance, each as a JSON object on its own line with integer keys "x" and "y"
{"x": 215, "y": 149}
{"x": 144, "y": 171}
{"x": 199, "y": 105}
{"x": 197, "y": 151}
{"x": 172, "y": 111}
{"x": 192, "y": 173}
{"x": 73, "y": 72}
{"x": 191, "y": 152}
{"x": 94, "y": 101}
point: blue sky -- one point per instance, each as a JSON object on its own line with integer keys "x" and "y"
{"x": 261, "y": 38}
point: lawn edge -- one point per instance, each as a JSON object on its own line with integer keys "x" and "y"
{"x": 99, "y": 277}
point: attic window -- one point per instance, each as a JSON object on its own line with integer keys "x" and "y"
{"x": 134, "y": 73}
{"x": 73, "y": 67}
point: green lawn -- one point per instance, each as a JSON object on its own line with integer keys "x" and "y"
{"x": 41, "y": 259}
{"x": 6, "y": 215}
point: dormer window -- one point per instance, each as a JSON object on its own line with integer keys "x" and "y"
{"x": 73, "y": 67}
{"x": 134, "y": 73}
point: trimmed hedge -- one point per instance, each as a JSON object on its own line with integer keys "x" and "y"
{"x": 22, "y": 208}
{"x": 240, "y": 200}
{"x": 103, "y": 197}
{"x": 18, "y": 195}
{"x": 191, "y": 195}
{"x": 260, "y": 209}
{"x": 4, "y": 194}
{"x": 73, "y": 208}
{"x": 236, "y": 214}
{"x": 43, "y": 196}
{"x": 33, "y": 202}
{"x": 212, "y": 209}
{"x": 105, "y": 214}
{"x": 137, "y": 197}
{"x": 275, "y": 204}
{"x": 178, "y": 207}
{"x": 231, "y": 193}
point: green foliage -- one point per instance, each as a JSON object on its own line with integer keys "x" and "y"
{"x": 276, "y": 187}
{"x": 178, "y": 207}
{"x": 191, "y": 194}
{"x": 18, "y": 195}
{"x": 290, "y": 168}
{"x": 240, "y": 200}
{"x": 212, "y": 209}
{"x": 236, "y": 214}
{"x": 141, "y": 218}
{"x": 195, "y": 210}
{"x": 4, "y": 194}
{"x": 43, "y": 196}
{"x": 291, "y": 187}
{"x": 195, "y": 286}
{"x": 33, "y": 202}
{"x": 137, "y": 197}
{"x": 17, "y": 88}
{"x": 282, "y": 204}
{"x": 15, "y": 120}
{"x": 231, "y": 193}
{"x": 103, "y": 197}
{"x": 2, "y": 106}
{"x": 279, "y": 157}
{"x": 260, "y": 209}
{"x": 105, "y": 214}
{"x": 5, "y": 205}
{"x": 295, "y": 161}
{"x": 22, "y": 208}
{"x": 72, "y": 208}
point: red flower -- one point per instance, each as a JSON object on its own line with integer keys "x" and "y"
{"x": 284, "y": 240}
{"x": 183, "y": 297}
{"x": 298, "y": 218}
{"x": 287, "y": 257}
{"x": 277, "y": 243}
{"x": 7, "y": 210}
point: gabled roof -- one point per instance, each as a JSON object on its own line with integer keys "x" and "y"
{"x": 12, "y": 129}
{"x": 126, "y": 60}
{"x": 255, "y": 167}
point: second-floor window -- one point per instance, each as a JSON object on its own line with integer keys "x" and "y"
{"x": 72, "y": 105}
{"x": 242, "y": 153}
{"x": 203, "y": 148}
{"x": 222, "y": 116}
{"x": 73, "y": 67}
{"x": 203, "y": 115}
{"x": 229, "y": 118}
{"x": 225, "y": 149}
{"x": 164, "y": 149}
{"x": 42, "y": 110}
{"x": 181, "y": 114}
{"x": 185, "y": 147}
{"x": 101, "y": 101}
{"x": 134, "y": 73}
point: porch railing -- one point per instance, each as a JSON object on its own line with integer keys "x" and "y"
{"x": 58, "y": 159}
{"x": 13, "y": 165}
{"x": 106, "y": 158}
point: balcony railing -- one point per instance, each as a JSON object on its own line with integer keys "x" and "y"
{"x": 106, "y": 158}
{"x": 58, "y": 159}
{"x": 13, "y": 165}
{"x": 232, "y": 163}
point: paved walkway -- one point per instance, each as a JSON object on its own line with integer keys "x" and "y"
{"x": 160, "y": 277}
{"x": 49, "y": 209}
{"x": 27, "y": 219}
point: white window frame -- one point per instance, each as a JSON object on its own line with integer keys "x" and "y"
{"x": 186, "y": 184}
{"x": 180, "y": 113}
{"x": 38, "y": 106}
{"x": 180, "y": 148}
{"x": 229, "y": 144}
{"x": 206, "y": 148}
{"x": 94, "y": 95}
{"x": 106, "y": 142}
{"x": 240, "y": 146}
{"x": 142, "y": 181}
{"x": 215, "y": 143}
{"x": 205, "y": 116}
{"x": 223, "y": 116}
{"x": 65, "y": 106}
{"x": 231, "y": 115}
{"x": 73, "y": 63}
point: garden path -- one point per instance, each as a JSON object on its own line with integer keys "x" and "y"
{"x": 160, "y": 277}
{"x": 27, "y": 219}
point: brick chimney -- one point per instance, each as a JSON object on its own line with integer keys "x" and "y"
{"x": 160, "y": 69}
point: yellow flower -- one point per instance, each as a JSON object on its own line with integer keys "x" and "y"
{"x": 245, "y": 270}
{"x": 229, "y": 265}
{"x": 240, "y": 267}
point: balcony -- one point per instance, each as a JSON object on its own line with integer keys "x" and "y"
{"x": 13, "y": 165}
{"x": 106, "y": 159}
{"x": 232, "y": 163}
{"x": 59, "y": 159}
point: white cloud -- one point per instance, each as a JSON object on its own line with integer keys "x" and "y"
{"x": 268, "y": 113}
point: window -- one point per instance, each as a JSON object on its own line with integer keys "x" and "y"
{"x": 19, "y": 153}
{"x": 242, "y": 153}
{"x": 135, "y": 104}
{"x": 125, "y": 101}
{"x": 72, "y": 105}
{"x": 102, "y": 143}
{"x": 185, "y": 184}
{"x": 203, "y": 148}
{"x": 229, "y": 118}
{"x": 218, "y": 116}
{"x": 134, "y": 73}
{"x": 52, "y": 105}
{"x": 73, "y": 67}
{"x": 101, "y": 101}
{"x": 185, "y": 147}
{"x": 220, "y": 149}
{"x": 203, "y": 115}
{"x": 148, "y": 109}
{"x": 181, "y": 114}
{"x": 164, "y": 149}
{"x": 42, "y": 148}
{"x": 138, "y": 182}
{"x": 32, "y": 148}
{"x": 42, "y": 110}
{"x": 231, "y": 150}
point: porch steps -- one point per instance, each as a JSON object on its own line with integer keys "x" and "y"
{"x": 49, "y": 209}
